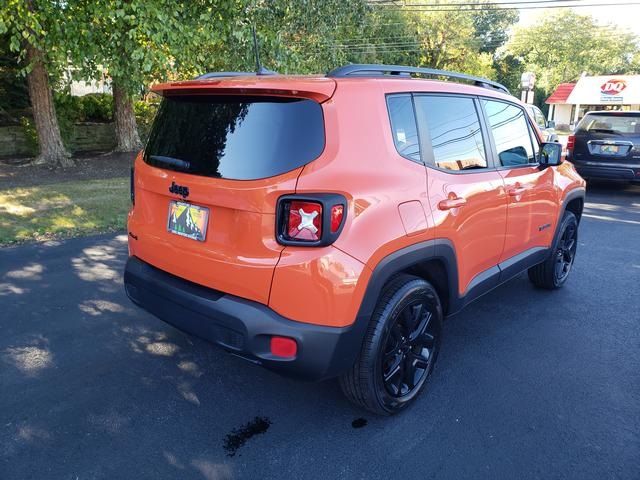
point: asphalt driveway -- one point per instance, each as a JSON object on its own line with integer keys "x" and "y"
{"x": 530, "y": 384}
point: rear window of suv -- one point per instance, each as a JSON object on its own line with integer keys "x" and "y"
{"x": 233, "y": 137}
{"x": 621, "y": 124}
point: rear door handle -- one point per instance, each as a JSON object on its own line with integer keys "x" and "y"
{"x": 450, "y": 203}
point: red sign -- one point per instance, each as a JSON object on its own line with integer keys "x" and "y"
{"x": 613, "y": 87}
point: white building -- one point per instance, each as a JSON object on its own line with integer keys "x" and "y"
{"x": 570, "y": 101}
{"x": 79, "y": 88}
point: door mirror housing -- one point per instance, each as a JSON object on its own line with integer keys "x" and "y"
{"x": 551, "y": 124}
{"x": 550, "y": 154}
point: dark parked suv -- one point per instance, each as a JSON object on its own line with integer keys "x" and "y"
{"x": 607, "y": 145}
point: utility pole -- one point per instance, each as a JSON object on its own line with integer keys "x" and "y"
{"x": 527, "y": 82}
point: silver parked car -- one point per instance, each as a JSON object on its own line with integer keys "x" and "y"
{"x": 547, "y": 127}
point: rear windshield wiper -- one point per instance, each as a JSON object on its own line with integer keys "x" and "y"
{"x": 171, "y": 162}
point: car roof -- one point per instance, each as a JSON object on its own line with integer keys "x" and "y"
{"x": 322, "y": 87}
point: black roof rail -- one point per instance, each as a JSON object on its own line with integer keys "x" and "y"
{"x": 368, "y": 70}
{"x": 263, "y": 71}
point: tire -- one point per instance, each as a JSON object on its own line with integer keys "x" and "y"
{"x": 404, "y": 336}
{"x": 554, "y": 271}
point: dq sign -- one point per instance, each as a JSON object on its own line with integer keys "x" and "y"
{"x": 613, "y": 87}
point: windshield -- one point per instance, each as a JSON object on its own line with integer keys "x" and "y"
{"x": 619, "y": 124}
{"x": 235, "y": 137}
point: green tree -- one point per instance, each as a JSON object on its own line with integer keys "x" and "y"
{"x": 562, "y": 46}
{"x": 295, "y": 37}
{"x": 448, "y": 41}
{"x": 491, "y": 27}
{"x": 35, "y": 31}
{"x": 445, "y": 38}
{"x": 138, "y": 42}
{"x": 14, "y": 92}
{"x": 386, "y": 37}
{"x": 508, "y": 71}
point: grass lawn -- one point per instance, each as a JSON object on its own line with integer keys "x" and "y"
{"x": 62, "y": 210}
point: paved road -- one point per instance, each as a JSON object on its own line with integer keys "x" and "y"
{"x": 530, "y": 384}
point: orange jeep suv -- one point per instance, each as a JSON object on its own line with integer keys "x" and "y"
{"x": 324, "y": 226}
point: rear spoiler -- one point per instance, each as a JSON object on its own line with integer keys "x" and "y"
{"x": 319, "y": 89}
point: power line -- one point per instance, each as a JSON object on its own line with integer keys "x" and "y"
{"x": 415, "y": 41}
{"x": 411, "y": 39}
{"x": 408, "y": 47}
{"x": 486, "y": 7}
{"x": 363, "y": 40}
{"x": 384, "y": 3}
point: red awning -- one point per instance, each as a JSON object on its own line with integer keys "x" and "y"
{"x": 561, "y": 94}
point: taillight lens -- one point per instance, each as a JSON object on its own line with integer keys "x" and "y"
{"x": 311, "y": 220}
{"x": 571, "y": 143}
{"x": 337, "y": 212}
{"x": 305, "y": 221}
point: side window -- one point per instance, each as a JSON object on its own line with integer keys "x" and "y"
{"x": 403, "y": 126}
{"x": 537, "y": 115}
{"x": 510, "y": 130}
{"x": 453, "y": 126}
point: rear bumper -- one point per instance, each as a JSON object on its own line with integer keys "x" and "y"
{"x": 241, "y": 326}
{"x": 607, "y": 170}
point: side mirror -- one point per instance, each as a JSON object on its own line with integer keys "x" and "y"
{"x": 551, "y": 124}
{"x": 550, "y": 154}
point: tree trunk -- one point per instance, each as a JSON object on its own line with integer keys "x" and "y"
{"x": 52, "y": 150}
{"x": 127, "y": 137}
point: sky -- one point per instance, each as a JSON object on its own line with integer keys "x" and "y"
{"x": 627, "y": 17}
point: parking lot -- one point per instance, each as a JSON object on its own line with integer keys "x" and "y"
{"x": 529, "y": 384}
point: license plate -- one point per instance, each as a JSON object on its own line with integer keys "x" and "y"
{"x": 188, "y": 220}
{"x": 609, "y": 149}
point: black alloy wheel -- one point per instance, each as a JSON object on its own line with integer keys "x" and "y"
{"x": 566, "y": 251}
{"x": 553, "y": 272}
{"x": 409, "y": 350}
{"x": 400, "y": 347}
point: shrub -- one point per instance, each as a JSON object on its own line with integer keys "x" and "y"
{"x": 94, "y": 107}
{"x": 97, "y": 107}
{"x": 30, "y": 133}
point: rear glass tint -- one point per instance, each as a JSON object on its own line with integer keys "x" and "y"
{"x": 615, "y": 124}
{"x": 453, "y": 126}
{"x": 403, "y": 126}
{"x": 238, "y": 138}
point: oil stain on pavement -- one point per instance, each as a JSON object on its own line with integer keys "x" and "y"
{"x": 359, "y": 423}
{"x": 239, "y": 436}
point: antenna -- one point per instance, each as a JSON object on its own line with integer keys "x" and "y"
{"x": 260, "y": 70}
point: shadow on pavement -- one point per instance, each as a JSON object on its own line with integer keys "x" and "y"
{"x": 529, "y": 382}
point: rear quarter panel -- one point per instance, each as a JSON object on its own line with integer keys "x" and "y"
{"x": 360, "y": 162}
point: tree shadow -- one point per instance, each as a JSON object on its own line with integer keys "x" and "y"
{"x": 83, "y": 366}
{"x": 613, "y": 202}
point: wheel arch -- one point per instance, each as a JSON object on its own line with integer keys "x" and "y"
{"x": 572, "y": 202}
{"x": 431, "y": 260}
{"x": 575, "y": 205}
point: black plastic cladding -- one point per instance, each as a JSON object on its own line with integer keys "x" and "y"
{"x": 327, "y": 200}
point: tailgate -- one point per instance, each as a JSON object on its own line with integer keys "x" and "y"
{"x": 239, "y": 251}
{"x": 226, "y": 158}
